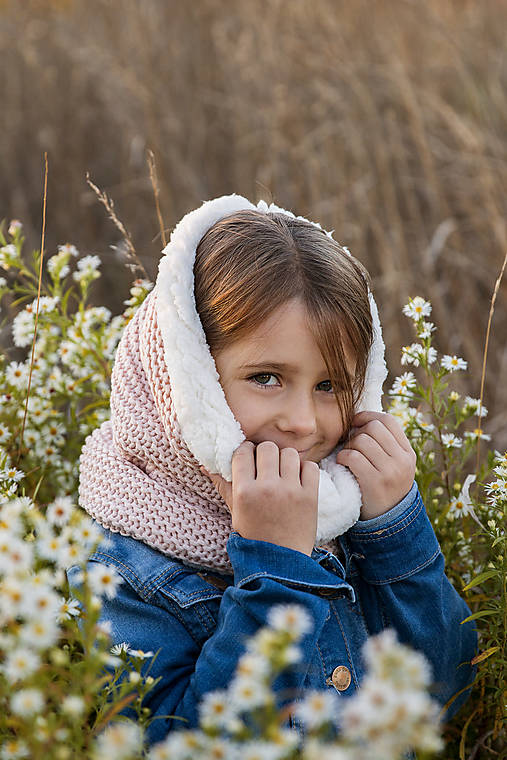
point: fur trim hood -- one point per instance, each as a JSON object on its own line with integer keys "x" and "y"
{"x": 207, "y": 423}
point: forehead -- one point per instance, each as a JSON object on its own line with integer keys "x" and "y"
{"x": 284, "y": 341}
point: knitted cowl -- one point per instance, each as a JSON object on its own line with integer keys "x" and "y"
{"x": 139, "y": 471}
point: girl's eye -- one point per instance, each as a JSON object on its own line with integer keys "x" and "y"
{"x": 267, "y": 375}
{"x": 264, "y": 375}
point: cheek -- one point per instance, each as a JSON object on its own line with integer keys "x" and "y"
{"x": 245, "y": 408}
{"x": 332, "y": 425}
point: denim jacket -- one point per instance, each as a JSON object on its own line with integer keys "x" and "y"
{"x": 390, "y": 573}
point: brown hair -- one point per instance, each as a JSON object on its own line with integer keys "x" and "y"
{"x": 250, "y": 263}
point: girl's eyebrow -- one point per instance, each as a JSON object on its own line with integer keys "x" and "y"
{"x": 280, "y": 366}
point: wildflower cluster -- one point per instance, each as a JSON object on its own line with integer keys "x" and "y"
{"x": 243, "y": 721}
{"x": 73, "y": 357}
{"x": 445, "y": 431}
{"x": 393, "y": 711}
{"x": 47, "y": 637}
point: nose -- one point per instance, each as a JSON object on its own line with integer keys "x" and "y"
{"x": 298, "y": 415}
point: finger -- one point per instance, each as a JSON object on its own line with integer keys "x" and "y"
{"x": 390, "y": 422}
{"x": 243, "y": 462}
{"x": 310, "y": 475}
{"x": 371, "y": 449}
{"x": 223, "y": 487}
{"x": 290, "y": 463}
{"x": 357, "y": 463}
{"x": 267, "y": 457}
{"x": 382, "y": 434}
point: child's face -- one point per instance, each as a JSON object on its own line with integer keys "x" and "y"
{"x": 293, "y": 406}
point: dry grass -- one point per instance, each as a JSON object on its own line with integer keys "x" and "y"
{"x": 383, "y": 120}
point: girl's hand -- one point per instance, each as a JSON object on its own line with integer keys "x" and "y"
{"x": 273, "y": 495}
{"x": 382, "y": 459}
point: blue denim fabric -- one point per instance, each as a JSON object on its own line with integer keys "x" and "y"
{"x": 391, "y": 573}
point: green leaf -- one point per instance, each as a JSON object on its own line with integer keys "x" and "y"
{"x": 476, "y": 615}
{"x": 483, "y": 655}
{"x": 480, "y": 578}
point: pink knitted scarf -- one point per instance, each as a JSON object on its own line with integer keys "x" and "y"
{"x": 137, "y": 476}
{"x": 139, "y": 471}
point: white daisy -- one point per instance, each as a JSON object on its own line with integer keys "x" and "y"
{"x": 264, "y": 643}
{"x": 26, "y": 702}
{"x": 17, "y": 557}
{"x": 403, "y": 385}
{"x": 474, "y": 404}
{"x": 477, "y": 433}
{"x": 13, "y": 592}
{"x": 20, "y": 663}
{"x": 453, "y": 363}
{"x": 50, "y": 546}
{"x": 248, "y": 693}
{"x": 59, "y": 512}
{"x": 46, "y": 305}
{"x": 216, "y": 709}
{"x": 89, "y": 262}
{"x": 68, "y": 248}
{"x": 291, "y": 618}
{"x": 69, "y": 608}
{"x": 161, "y": 751}
{"x": 14, "y": 749}
{"x": 317, "y": 708}
{"x": 425, "y": 330}
{"x": 423, "y": 423}
{"x": 451, "y": 441}
{"x": 11, "y": 473}
{"x": 22, "y": 329}
{"x": 104, "y": 579}
{"x": 57, "y": 266}
{"x": 183, "y": 745}
{"x": 430, "y": 354}
{"x": 251, "y": 665}
{"x": 16, "y": 374}
{"x": 73, "y": 705}
{"x": 39, "y": 633}
{"x": 462, "y": 506}
{"x": 87, "y": 532}
{"x": 8, "y": 254}
{"x": 498, "y": 487}
{"x": 118, "y": 649}
{"x": 139, "y": 654}
{"x": 411, "y": 354}
{"x": 120, "y": 741}
{"x": 72, "y": 554}
{"x": 416, "y": 308}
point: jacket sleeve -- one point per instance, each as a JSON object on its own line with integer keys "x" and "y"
{"x": 397, "y": 568}
{"x": 264, "y": 574}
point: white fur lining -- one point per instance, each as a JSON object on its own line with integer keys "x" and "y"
{"x": 207, "y": 423}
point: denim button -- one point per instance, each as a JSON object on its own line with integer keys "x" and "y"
{"x": 341, "y": 678}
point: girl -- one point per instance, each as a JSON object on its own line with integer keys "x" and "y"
{"x": 248, "y": 462}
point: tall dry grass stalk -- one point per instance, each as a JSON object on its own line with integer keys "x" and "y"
{"x": 384, "y": 121}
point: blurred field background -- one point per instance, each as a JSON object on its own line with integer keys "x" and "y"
{"x": 385, "y": 121}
